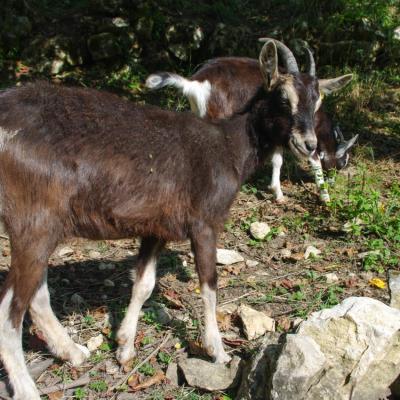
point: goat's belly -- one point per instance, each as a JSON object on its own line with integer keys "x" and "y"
{"x": 103, "y": 226}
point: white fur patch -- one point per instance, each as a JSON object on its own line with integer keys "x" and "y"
{"x": 212, "y": 337}
{"x": 275, "y": 186}
{"x": 55, "y": 335}
{"x": 289, "y": 89}
{"x": 6, "y": 135}
{"x": 198, "y": 94}
{"x": 140, "y": 293}
{"x": 12, "y": 354}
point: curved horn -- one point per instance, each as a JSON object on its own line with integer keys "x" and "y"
{"x": 345, "y": 146}
{"x": 288, "y": 58}
{"x": 338, "y": 134}
{"x": 311, "y": 62}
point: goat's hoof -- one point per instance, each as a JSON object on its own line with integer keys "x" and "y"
{"x": 222, "y": 358}
{"x": 79, "y": 355}
{"x": 281, "y": 200}
{"x": 28, "y": 392}
{"x": 125, "y": 354}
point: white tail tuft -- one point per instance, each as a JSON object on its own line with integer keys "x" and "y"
{"x": 197, "y": 92}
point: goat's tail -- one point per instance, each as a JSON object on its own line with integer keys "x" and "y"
{"x": 197, "y": 92}
{"x": 162, "y": 79}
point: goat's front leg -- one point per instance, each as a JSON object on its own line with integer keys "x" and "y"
{"x": 316, "y": 167}
{"x": 54, "y": 333}
{"x": 142, "y": 289}
{"x": 275, "y": 186}
{"x": 204, "y": 247}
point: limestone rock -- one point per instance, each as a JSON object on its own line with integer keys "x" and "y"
{"x": 331, "y": 278}
{"x": 255, "y": 323}
{"x": 210, "y": 376}
{"x": 172, "y": 374}
{"x": 301, "y": 356}
{"x": 259, "y": 230}
{"x": 226, "y": 257}
{"x": 95, "y": 342}
{"x": 360, "y": 339}
{"x": 251, "y": 263}
{"x": 311, "y": 251}
{"x": 65, "y": 252}
{"x": 351, "y": 351}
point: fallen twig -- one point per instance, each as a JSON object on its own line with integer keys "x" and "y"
{"x": 123, "y": 380}
{"x": 82, "y": 381}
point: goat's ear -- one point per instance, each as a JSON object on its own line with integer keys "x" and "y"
{"x": 345, "y": 146}
{"x": 269, "y": 64}
{"x": 328, "y": 86}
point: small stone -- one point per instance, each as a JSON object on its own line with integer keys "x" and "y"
{"x": 259, "y": 230}
{"x": 331, "y": 278}
{"x": 65, "y": 252}
{"x": 108, "y": 283}
{"x": 251, "y": 263}
{"x": 394, "y": 285}
{"x": 111, "y": 368}
{"x": 286, "y": 253}
{"x": 226, "y": 257}
{"x": 172, "y": 374}
{"x": 255, "y": 323}
{"x": 210, "y": 376}
{"x": 94, "y": 254}
{"x": 95, "y": 342}
{"x": 77, "y": 299}
{"x": 311, "y": 251}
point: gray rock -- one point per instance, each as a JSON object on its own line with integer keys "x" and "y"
{"x": 259, "y": 230}
{"x": 226, "y": 257}
{"x": 351, "y": 351}
{"x": 251, "y": 263}
{"x": 104, "y": 46}
{"x": 210, "y": 376}
{"x": 311, "y": 251}
{"x": 305, "y": 361}
{"x": 394, "y": 286}
{"x": 172, "y": 374}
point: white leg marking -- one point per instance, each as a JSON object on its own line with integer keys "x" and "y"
{"x": 212, "y": 337}
{"x": 277, "y": 160}
{"x": 316, "y": 168}
{"x": 140, "y": 293}
{"x": 13, "y": 356}
{"x": 56, "y": 336}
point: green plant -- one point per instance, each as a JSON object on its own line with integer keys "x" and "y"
{"x": 98, "y": 386}
{"x": 147, "y": 369}
{"x": 164, "y": 358}
{"x": 80, "y": 394}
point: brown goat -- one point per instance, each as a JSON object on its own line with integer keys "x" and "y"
{"x": 221, "y": 87}
{"x": 83, "y": 163}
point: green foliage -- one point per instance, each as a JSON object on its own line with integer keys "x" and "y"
{"x": 80, "y": 394}
{"x": 164, "y": 358}
{"x": 147, "y": 369}
{"x": 98, "y": 386}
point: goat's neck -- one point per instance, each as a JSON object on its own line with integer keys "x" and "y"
{"x": 247, "y": 142}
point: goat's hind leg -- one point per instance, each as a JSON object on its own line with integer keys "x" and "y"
{"x": 28, "y": 265}
{"x": 142, "y": 289}
{"x": 56, "y": 336}
{"x": 204, "y": 246}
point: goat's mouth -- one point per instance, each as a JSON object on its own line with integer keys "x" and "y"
{"x": 297, "y": 149}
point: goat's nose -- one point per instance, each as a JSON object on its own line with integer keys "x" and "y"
{"x": 310, "y": 145}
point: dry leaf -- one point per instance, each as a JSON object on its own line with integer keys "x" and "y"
{"x": 157, "y": 378}
{"x": 234, "y": 269}
{"x": 196, "y": 349}
{"x": 224, "y": 321}
{"x": 133, "y": 381}
{"x": 172, "y": 297}
{"x": 287, "y": 284}
{"x": 284, "y": 323}
{"x": 379, "y": 283}
{"x": 56, "y": 395}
